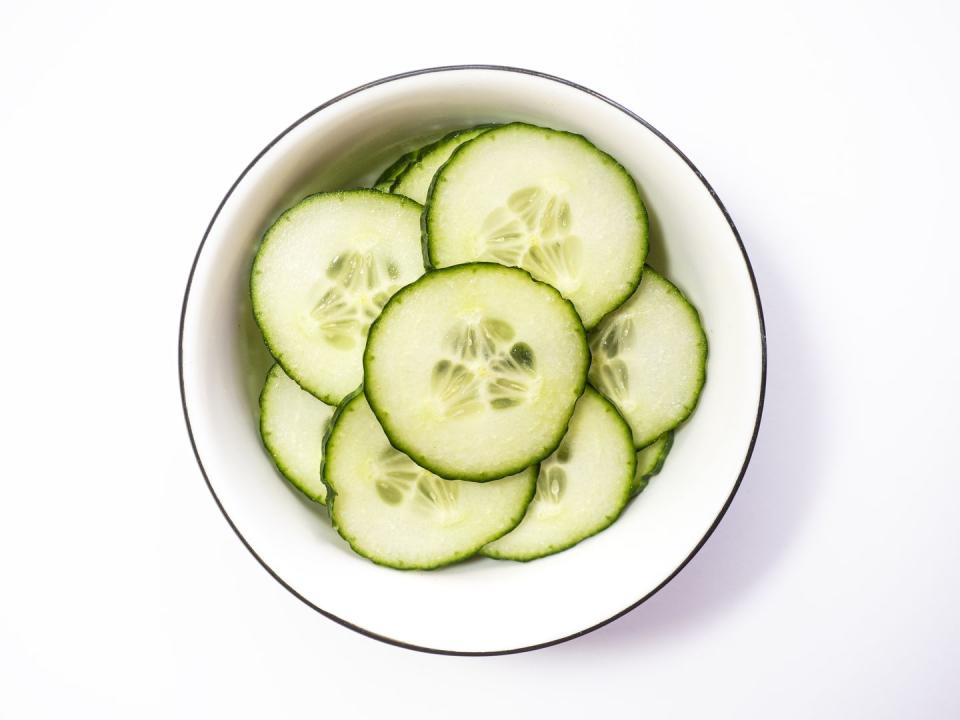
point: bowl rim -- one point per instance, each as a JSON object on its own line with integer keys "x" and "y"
{"x": 761, "y": 328}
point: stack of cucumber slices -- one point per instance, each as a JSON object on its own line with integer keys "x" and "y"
{"x": 472, "y": 357}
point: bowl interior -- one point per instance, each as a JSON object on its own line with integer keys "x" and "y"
{"x": 481, "y": 605}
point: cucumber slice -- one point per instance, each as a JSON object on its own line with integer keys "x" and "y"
{"x": 414, "y": 181}
{"x": 387, "y": 177}
{"x": 474, "y": 370}
{"x": 321, "y": 275}
{"x": 649, "y": 358}
{"x": 292, "y": 425}
{"x": 398, "y": 514}
{"x": 546, "y": 201}
{"x": 650, "y": 461}
{"x": 581, "y": 488}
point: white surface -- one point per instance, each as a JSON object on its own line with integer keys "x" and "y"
{"x": 510, "y": 606}
{"x": 829, "y": 590}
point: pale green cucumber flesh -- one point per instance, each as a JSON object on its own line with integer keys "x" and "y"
{"x": 581, "y": 488}
{"x": 474, "y": 370}
{"x": 399, "y": 515}
{"x": 649, "y": 358}
{"x": 546, "y": 201}
{"x": 322, "y": 273}
{"x": 292, "y": 425}
{"x": 414, "y": 180}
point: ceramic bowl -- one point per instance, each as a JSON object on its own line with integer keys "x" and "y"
{"x": 480, "y": 606}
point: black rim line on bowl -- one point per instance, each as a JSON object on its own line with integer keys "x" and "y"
{"x": 763, "y": 359}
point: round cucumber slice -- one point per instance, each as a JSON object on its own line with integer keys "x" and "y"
{"x": 414, "y": 180}
{"x": 387, "y": 177}
{"x": 292, "y": 425}
{"x": 320, "y": 277}
{"x": 649, "y": 358}
{"x": 474, "y": 370}
{"x": 402, "y": 516}
{"x": 547, "y": 201}
{"x": 581, "y": 488}
{"x": 650, "y": 461}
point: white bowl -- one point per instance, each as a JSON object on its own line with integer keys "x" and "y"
{"x": 481, "y": 606}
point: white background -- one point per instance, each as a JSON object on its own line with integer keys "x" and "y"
{"x": 829, "y": 130}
